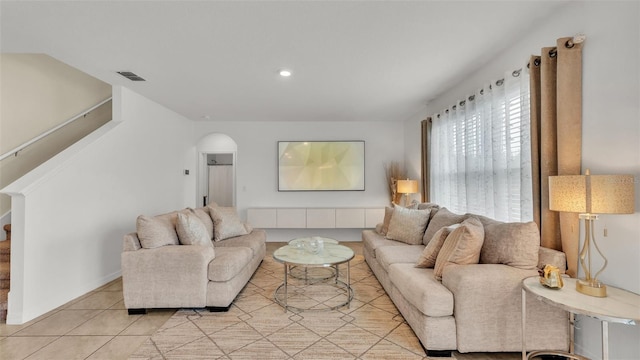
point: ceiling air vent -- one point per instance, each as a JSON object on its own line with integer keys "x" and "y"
{"x": 131, "y": 76}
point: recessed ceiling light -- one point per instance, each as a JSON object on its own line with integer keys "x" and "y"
{"x": 285, "y": 73}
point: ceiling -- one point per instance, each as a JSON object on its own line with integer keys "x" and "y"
{"x": 214, "y": 60}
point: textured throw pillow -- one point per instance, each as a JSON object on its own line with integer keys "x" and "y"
{"x": 203, "y": 214}
{"x": 226, "y": 223}
{"x": 513, "y": 244}
{"x": 191, "y": 230}
{"x": 442, "y": 218}
{"x": 462, "y": 246}
{"x": 430, "y": 253}
{"x": 156, "y": 231}
{"x": 388, "y": 211}
{"x": 407, "y": 225}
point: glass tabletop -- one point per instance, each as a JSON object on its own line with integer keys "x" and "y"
{"x": 325, "y": 254}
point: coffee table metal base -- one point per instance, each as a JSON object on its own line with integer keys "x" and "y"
{"x": 281, "y": 294}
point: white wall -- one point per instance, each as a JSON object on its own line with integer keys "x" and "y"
{"x": 257, "y": 161}
{"x": 611, "y": 133}
{"x": 69, "y": 215}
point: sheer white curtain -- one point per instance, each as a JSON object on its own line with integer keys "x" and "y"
{"x": 481, "y": 153}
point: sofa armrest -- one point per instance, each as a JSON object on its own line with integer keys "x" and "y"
{"x": 488, "y": 310}
{"x": 553, "y": 257}
{"x": 131, "y": 242}
{"x": 168, "y": 276}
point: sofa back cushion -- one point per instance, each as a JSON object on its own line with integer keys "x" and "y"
{"x": 408, "y": 225}
{"x": 157, "y": 231}
{"x": 514, "y": 244}
{"x": 203, "y": 214}
{"x": 442, "y": 218}
{"x": 461, "y": 247}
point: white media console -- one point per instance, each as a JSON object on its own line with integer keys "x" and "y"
{"x": 315, "y": 218}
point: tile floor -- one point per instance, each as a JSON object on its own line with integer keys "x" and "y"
{"x": 93, "y": 326}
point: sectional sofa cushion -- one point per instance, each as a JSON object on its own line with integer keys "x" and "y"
{"x": 157, "y": 231}
{"x": 226, "y": 223}
{"x": 228, "y": 263}
{"x": 462, "y": 246}
{"x": 428, "y": 256}
{"x": 388, "y": 255}
{"x": 372, "y": 242}
{"x": 430, "y": 298}
{"x": 408, "y": 225}
{"x": 191, "y": 230}
{"x": 441, "y": 219}
{"x": 253, "y": 241}
{"x": 513, "y": 244}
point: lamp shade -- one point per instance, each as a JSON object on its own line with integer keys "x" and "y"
{"x": 592, "y": 194}
{"x": 407, "y": 186}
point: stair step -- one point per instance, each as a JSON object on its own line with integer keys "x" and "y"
{"x": 5, "y": 271}
{"x": 5, "y": 251}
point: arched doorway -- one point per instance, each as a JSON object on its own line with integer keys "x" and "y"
{"x": 217, "y": 170}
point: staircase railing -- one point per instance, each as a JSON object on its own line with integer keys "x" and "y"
{"x": 16, "y": 150}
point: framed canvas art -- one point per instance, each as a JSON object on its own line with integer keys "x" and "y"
{"x": 321, "y": 165}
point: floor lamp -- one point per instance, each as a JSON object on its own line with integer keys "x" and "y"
{"x": 590, "y": 195}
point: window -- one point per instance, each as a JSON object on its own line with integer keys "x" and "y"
{"x": 481, "y": 152}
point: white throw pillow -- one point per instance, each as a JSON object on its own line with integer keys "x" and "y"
{"x": 462, "y": 246}
{"x": 430, "y": 253}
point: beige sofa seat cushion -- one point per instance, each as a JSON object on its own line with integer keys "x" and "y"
{"x": 388, "y": 255}
{"x": 442, "y": 218}
{"x": 513, "y": 244}
{"x": 157, "y": 231}
{"x": 228, "y": 263}
{"x": 408, "y": 225}
{"x": 254, "y": 241}
{"x": 372, "y": 241}
{"x": 421, "y": 289}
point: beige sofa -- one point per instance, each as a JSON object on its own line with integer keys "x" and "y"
{"x": 205, "y": 275}
{"x": 475, "y": 307}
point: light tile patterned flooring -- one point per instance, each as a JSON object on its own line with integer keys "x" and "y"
{"x": 97, "y": 326}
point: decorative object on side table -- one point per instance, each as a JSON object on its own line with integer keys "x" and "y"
{"x": 590, "y": 195}
{"x": 551, "y": 277}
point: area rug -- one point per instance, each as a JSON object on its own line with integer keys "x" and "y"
{"x": 256, "y": 327}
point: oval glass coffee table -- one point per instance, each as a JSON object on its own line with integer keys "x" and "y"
{"x": 314, "y": 293}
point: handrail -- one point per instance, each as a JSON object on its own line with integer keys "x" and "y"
{"x": 48, "y": 132}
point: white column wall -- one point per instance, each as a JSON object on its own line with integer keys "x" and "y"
{"x": 611, "y": 133}
{"x": 70, "y": 214}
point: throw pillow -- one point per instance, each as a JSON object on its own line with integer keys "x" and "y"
{"x": 191, "y": 230}
{"x": 407, "y": 225}
{"x": 388, "y": 211}
{"x": 226, "y": 223}
{"x": 462, "y": 246}
{"x": 442, "y": 218}
{"x": 513, "y": 244}
{"x": 203, "y": 214}
{"x": 156, "y": 231}
{"x": 428, "y": 257}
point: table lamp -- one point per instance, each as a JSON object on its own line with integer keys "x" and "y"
{"x": 590, "y": 195}
{"x": 407, "y": 187}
